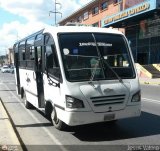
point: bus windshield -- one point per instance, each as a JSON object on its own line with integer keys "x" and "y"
{"x": 82, "y": 61}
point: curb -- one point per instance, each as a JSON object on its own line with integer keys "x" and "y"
{"x": 12, "y": 140}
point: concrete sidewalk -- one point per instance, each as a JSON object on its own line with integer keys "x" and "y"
{"x": 149, "y": 81}
{"x": 8, "y": 138}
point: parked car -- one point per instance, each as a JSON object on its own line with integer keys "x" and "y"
{"x": 5, "y": 69}
{"x": 11, "y": 70}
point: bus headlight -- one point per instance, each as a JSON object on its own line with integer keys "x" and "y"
{"x": 136, "y": 97}
{"x": 73, "y": 103}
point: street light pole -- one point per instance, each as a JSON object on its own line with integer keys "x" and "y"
{"x": 55, "y": 11}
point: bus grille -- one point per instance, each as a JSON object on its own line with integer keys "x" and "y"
{"x": 108, "y": 100}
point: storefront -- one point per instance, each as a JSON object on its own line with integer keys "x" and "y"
{"x": 141, "y": 20}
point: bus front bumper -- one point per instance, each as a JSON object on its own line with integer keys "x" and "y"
{"x": 81, "y": 118}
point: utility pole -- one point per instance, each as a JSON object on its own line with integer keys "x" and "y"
{"x": 55, "y": 11}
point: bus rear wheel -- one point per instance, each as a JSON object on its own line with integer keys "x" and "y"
{"x": 58, "y": 124}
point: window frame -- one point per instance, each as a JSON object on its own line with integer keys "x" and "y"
{"x": 94, "y": 11}
{"x": 85, "y": 15}
{"x": 22, "y": 53}
{"x": 115, "y": 67}
{"x": 54, "y": 57}
{"x": 103, "y": 6}
{"x": 79, "y": 19}
{"x": 30, "y": 52}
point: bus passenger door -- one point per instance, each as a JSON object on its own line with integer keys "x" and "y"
{"x": 39, "y": 76}
{"x": 51, "y": 75}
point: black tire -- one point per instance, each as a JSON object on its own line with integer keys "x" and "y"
{"x": 26, "y": 103}
{"x": 58, "y": 124}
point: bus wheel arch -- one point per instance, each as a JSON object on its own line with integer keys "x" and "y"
{"x": 58, "y": 124}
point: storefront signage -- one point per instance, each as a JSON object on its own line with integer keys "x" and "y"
{"x": 133, "y": 11}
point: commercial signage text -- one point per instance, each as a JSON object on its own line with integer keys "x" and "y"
{"x": 127, "y": 13}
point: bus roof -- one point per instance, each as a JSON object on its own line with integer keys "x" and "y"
{"x": 80, "y": 29}
{"x": 72, "y": 29}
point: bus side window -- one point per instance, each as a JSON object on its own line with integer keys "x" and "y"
{"x": 52, "y": 63}
{"x": 49, "y": 57}
{"x": 22, "y": 54}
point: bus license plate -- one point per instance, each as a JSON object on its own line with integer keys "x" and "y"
{"x": 109, "y": 117}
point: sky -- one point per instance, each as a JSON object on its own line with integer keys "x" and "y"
{"x": 19, "y": 18}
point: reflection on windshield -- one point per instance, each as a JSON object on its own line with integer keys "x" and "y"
{"x": 81, "y": 59}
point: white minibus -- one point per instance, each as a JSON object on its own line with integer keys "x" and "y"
{"x": 78, "y": 75}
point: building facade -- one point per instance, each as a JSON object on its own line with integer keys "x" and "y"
{"x": 10, "y": 56}
{"x": 139, "y": 18}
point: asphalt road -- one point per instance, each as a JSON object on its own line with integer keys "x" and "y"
{"x": 37, "y": 132}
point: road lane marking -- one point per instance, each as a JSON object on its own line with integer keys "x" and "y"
{"x": 53, "y": 138}
{"x": 151, "y": 100}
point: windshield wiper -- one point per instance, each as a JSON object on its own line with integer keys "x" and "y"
{"x": 97, "y": 63}
{"x": 104, "y": 62}
{"x": 94, "y": 70}
{"x": 115, "y": 73}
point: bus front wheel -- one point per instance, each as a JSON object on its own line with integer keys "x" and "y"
{"x": 56, "y": 121}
